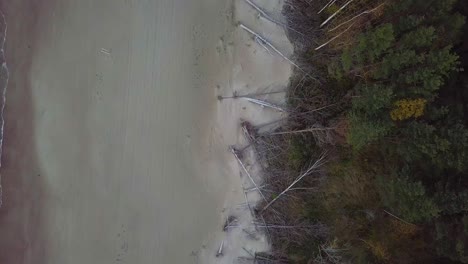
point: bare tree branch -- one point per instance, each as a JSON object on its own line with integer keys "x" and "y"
{"x": 357, "y": 16}
{"x": 313, "y": 129}
{"x": 398, "y": 218}
{"x": 336, "y": 12}
{"x": 327, "y": 5}
{"x": 335, "y": 37}
{"x": 265, "y": 104}
{"x": 317, "y": 164}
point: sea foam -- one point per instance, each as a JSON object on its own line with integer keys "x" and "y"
{"x": 4, "y": 75}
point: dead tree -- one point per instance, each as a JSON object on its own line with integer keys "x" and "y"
{"x": 336, "y": 12}
{"x": 317, "y": 164}
{"x": 236, "y": 155}
{"x": 269, "y": 18}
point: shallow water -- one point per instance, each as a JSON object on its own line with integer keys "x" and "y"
{"x": 4, "y": 76}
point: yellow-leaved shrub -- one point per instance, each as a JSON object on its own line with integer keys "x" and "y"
{"x": 408, "y": 108}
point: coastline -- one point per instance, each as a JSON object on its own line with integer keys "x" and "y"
{"x": 251, "y": 70}
{"x": 21, "y": 226}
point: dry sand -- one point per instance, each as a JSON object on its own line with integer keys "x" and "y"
{"x": 116, "y": 149}
{"x": 252, "y": 70}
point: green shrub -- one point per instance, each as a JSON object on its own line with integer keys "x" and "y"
{"x": 407, "y": 199}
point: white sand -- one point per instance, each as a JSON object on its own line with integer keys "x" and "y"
{"x": 253, "y": 70}
{"x": 132, "y": 144}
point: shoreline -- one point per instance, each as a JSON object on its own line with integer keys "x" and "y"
{"x": 24, "y": 184}
{"x": 21, "y": 224}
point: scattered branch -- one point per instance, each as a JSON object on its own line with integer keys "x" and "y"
{"x": 220, "y": 250}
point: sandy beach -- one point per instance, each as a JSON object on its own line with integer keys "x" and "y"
{"x": 116, "y": 148}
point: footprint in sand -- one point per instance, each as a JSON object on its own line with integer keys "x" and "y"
{"x": 123, "y": 246}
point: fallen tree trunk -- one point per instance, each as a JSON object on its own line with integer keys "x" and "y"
{"x": 269, "y": 45}
{"x": 247, "y": 172}
{"x": 269, "y": 18}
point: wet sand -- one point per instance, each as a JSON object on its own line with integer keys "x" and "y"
{"x": 21, "y": 239}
